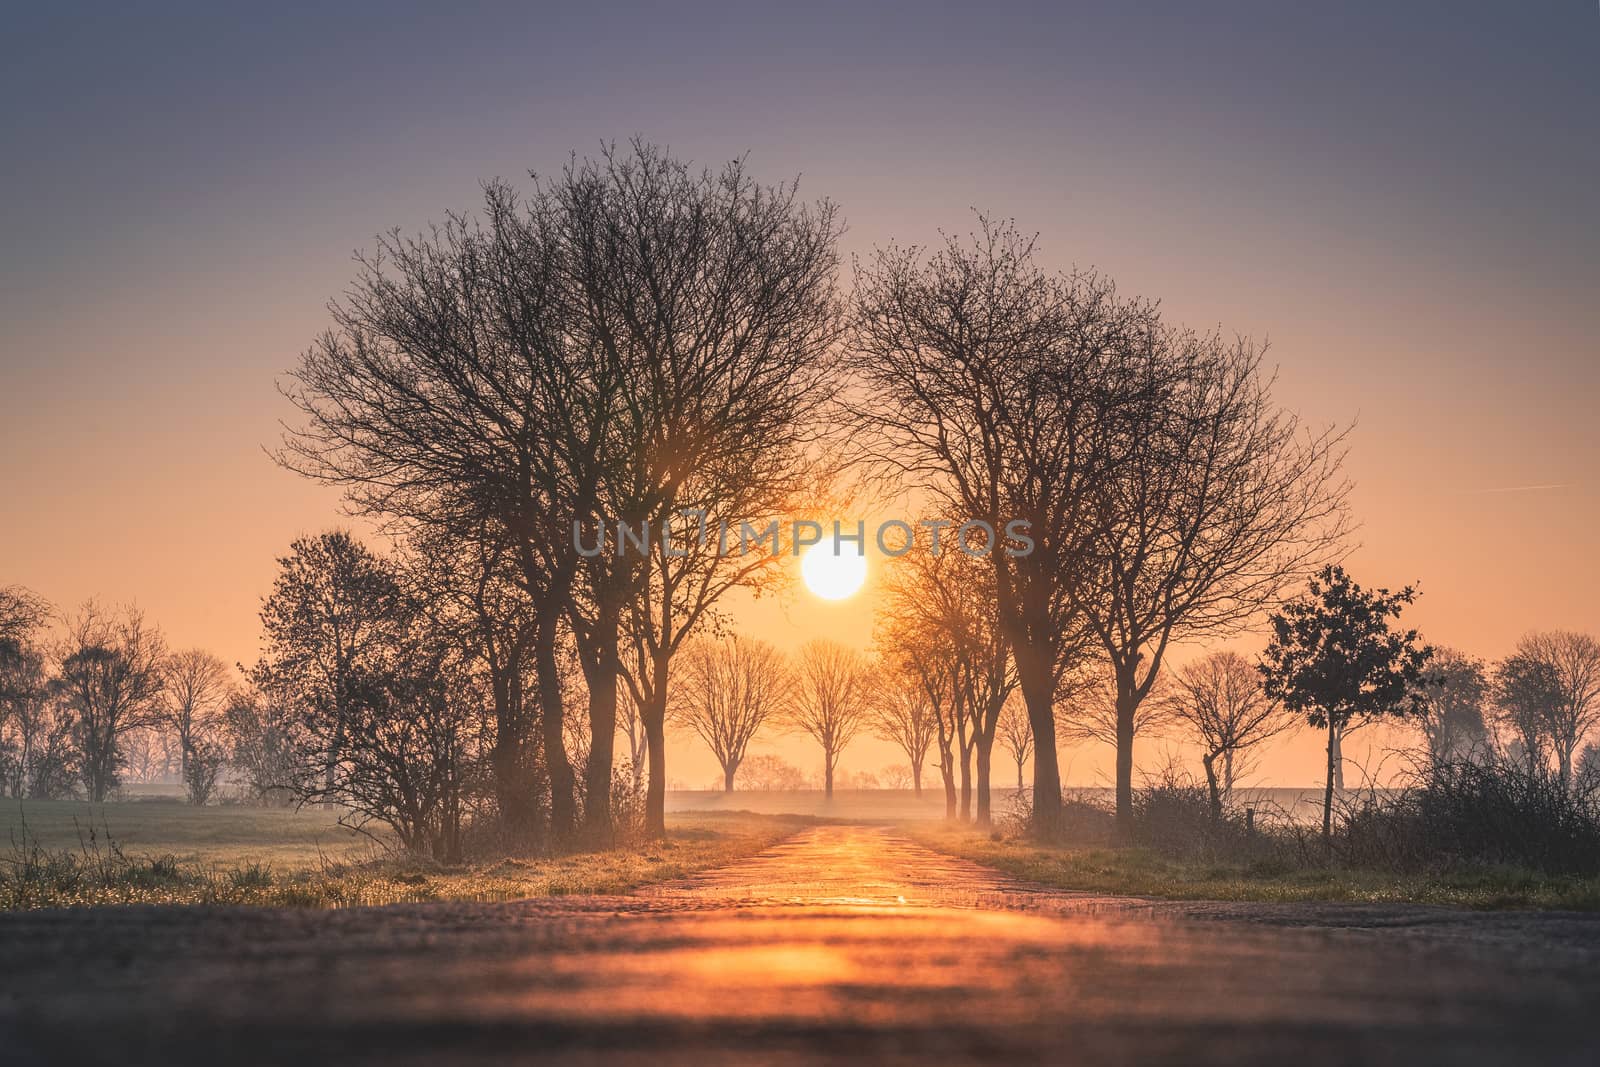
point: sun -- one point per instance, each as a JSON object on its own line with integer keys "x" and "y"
{"x": 833, "y": 574}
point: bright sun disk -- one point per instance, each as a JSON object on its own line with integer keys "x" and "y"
{"x": 833, "y": 572}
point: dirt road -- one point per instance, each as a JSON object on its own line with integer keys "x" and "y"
{"x": 843, "y": 944}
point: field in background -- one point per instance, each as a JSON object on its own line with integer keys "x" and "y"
{"x": 902, "y": 805}
{"x": 151, "y": 820}
{"x": 219, "y": 835}
{"x": 161, "y": 852}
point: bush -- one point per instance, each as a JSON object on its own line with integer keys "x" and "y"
{"x": 1463, "y": 813}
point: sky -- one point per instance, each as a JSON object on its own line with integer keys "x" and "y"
{"x": 1400, "y": 198}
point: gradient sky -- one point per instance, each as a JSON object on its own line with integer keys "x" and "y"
{"x": 1403, "y": 201}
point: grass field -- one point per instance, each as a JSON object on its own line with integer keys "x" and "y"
{"x": 1142, "y": 872}
{"x": 155, "y": 852}
{"x": 224, "y": 836}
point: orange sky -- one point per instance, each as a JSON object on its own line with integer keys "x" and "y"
{"x": 1405, "y": 209}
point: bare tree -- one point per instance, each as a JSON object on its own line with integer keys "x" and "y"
{"x": 1086, "y": 709}
{"x": 333, "y": 605}
{"x": 904, "y": 716}
{"x": 195, "y": 691}
{"x": 22, "y": 614}
{"x": 994, "y": 387}
{"x": 1015, "y": 733}
{"x": 456, "y": 391}
{"x": 632, "y": 725}
{"x": 833, "y": 689}
{"x": 1453, "y": 695}
{"x": 715, "y": 296}
{"x": 729, "y": 690}
{"x": 578, "y": 359}
{"x": 918, "y": 654}
{"x": 262, "y": 748}
{"x": 25, "y": 712}
{"x": 1220, "y": 700}
{"x": 1572, "y": 660}
{"x": 1526, "y": 693}
{"x": 1218, "y": 501}
{"x": 110, "y": 681}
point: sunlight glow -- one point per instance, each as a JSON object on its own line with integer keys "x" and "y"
{"x": 833, "y": 574}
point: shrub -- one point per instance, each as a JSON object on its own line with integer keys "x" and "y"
{"x": 1461, "y": 813}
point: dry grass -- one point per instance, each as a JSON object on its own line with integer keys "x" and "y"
{"x": 180, "y": 855}
{"x": 1147, "y": 873}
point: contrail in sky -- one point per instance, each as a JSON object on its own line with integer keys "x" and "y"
{"x": 1520, "y": 488}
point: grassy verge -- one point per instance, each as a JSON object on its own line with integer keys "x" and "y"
{"x": 1147, "y": 873}
{"x": 99, "y": 871}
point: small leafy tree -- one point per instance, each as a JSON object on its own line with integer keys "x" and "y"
{"x": 1336, "y": 658}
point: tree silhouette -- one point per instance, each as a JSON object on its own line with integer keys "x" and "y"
{"x": 1335, "y": 658}
{"x": 110, "y": 681}
{"x": 1221, "y": 700}
{"x": 1453, "y": 695}
{"x": 996, "y": 388}
{"x": 1015, "y": 733}
{"x": 730, "y": 689}
{"x": 333, "y": 605}
{"x": 833, "y": 689}
{"x": 904, "y": 716}
{"x": 1216, "y": 502}
{"x": 196, "y": 690}
{"x": 1571, "y": 661}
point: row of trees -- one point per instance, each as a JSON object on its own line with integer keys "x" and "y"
{"x": 635, "y": 346}
{"x": 77, "y": 700}
{"x": 631, "y": 342}
{"x": 1337, "y": 660}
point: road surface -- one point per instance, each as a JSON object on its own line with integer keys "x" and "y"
{"x": 843, "y": 944}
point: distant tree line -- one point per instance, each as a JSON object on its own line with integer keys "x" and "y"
{"x": 632, "y": 345}
{"x": 88, "y": 697}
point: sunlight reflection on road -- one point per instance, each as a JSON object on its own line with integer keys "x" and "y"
{"x": 842, "y": 943}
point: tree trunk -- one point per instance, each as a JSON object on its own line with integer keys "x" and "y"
{"x": 916, "y": 779}
{"x": 514, "y": 792}
{"x": 1327, "y": 791}
{"x": 1127, "y": 704}
{"x": 985, "y": 814}
{"x": 1038, "y": 696}
{"x": 727, "y": 777}
{"x": 1337, "y": 771}
{"x": 601, "y": 671}
{"x": 1020, "y": 784}
{"x": 966, "y": 784}
{"x": 563, "y": 805}
{"x": 653, "y": 713}
{"x": 827, "y": 778}
{"x": 948, "y": 773}
{"x": 1209, "y": 761}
